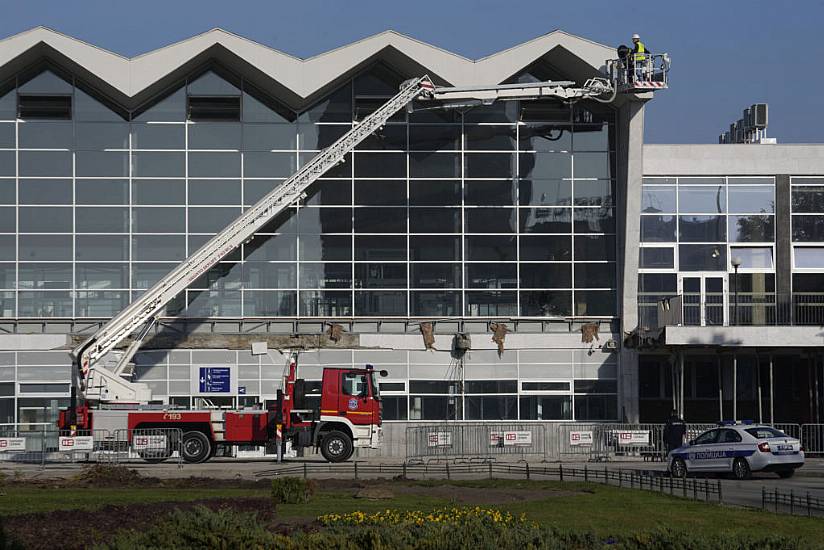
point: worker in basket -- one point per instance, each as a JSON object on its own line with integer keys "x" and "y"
{"x": 638, "y": 60}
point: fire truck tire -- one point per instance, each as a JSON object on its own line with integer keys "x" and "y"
{"x": 336, "y": 447}
{"x": 196, "y": 447}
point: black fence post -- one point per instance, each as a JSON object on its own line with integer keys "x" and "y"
{"x": 671, "y": 491}
{"x": 763, "y": 498}
{"x": 586, "y": 474}
{"x": 683, "y": 481}
{"x": 694, "y": 488}
{"x": 809, "y": 513}
{"x": 404, "y": 470}
{"x": 620, "y": 478}
{"x": 719, "y": 491}
{"x": 527, "y": 471}
{"x": 305, "y": 471}
{"x": 560, "y": 472}
{"x": 490, "y": 470}
{"x": 356, "y": 469}
{"x": 448, "y": 477}
{"x": 792, "y": 502}
{"x": 775, "y": 494}
{"x": 707, "y": 490}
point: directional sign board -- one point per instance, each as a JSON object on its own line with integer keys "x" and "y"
{"x": 215, "y": 380}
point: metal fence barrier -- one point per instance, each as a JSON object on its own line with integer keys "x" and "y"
{"x": 475, "y": 441}
{"x": 791, "y": 503}
{"x": 153, "y": 445}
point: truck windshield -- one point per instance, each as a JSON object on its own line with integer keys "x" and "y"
{"x": 376, "y": 392}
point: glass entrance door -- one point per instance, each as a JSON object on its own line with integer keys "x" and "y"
{"x": 704, "y": 299}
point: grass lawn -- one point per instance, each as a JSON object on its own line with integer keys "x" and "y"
{"x": 568, "y": 505}
{"x": 25, "y": 500}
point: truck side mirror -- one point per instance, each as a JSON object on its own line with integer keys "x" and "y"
{"x": 384, "y": 373}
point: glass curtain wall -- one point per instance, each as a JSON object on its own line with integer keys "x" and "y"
{"x": 505, "y": 210}
{"x": 696, "y": 225}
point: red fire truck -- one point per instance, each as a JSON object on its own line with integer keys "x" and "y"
{"x": 348, "y": 415}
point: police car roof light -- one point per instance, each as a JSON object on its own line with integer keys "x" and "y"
{"x": 727, "y": 423}
{"x": 748, "y": 422}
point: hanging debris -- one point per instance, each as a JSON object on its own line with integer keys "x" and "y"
{"x": 428, "y": 333}
{"x": 499, "y": 335}
{"x": 335, "y": 332}
{"x": 588, "y": 332}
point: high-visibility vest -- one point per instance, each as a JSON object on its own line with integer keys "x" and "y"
{"x": 641, "y": 54}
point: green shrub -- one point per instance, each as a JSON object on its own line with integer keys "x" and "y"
{"x": 197, "y": 528}
{"x": 292, "y": 490}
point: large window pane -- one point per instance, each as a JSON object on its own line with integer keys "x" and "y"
{"x": 598, "y": 303}
{"x": 214, "y": 192}
{"x": 381, "y": 303}
{"x": 435, "y": 275}
{"x": 546, "y": 275}
{"x": 808, "y": 228}
{"x": 489, "y": 165}
{"x": 751, "y": 228}
{"x": 159, "y": 247}
{"x": 491, "y": 248}
{"x": 211, "y": 219}
{"x": 44, "y": 163}
{"x": 158, "y": 136}
{"x": 491, "y": 275}
{"x": 545, "y": 220}
{"x": 159, "y": 220}
{"x": 809, "y": 257}
{"x": 101, "y": 220}
{"x": 110, "y": 164}
{"x": 555, "y": 303}
{"x": 546, "y": 137}
{"x": 380, "y": 165}
{"x": 434, "y": 220}
{"x": 158, "y": 164}
{"x": 102, "y": 135}
{"x": 380, "y": 248}
{"x": 380, "y": 275}
{"x": 658, "y": 198}
{"x": 101, "y": 303}
{"x": 434, "y": 138}
{"x": 489, "y": 193}
{"x": 435, "y": 248}
{"x": 491, "y": 407}
{"x": 101, "y": 248}
{"x": 699, "y": 199}
{"x": 807, "y": 198}
{"x": 45, "y": 219}
{"x": 434, "y": 193}
{"x": 490, "y": 138}
{"x": 269, "y": 303}
{"x": 657, "y": 258}
{"x": 45, "y": 191}
{"x": 102, "y": 276}
{"x": 380, "y": 192}
{"x": 380, "y": 220}
{"x": 657, "y": 229}
{"x": 593, "y": 220}
{"x": 102, "y": 191}
{"x": 594, "y": 247}
{"x": 753, "y": 257}
{"x": 491, "y": 304}
{"x": 44, "y": 304}
{"x": 554, "y": 248}
{"x": 702, "y": 228}
{"x": 326, "y": 247}
{"x": 325, "y": 275}
{"x": 325, "y": 303}
{"x": 546, "y": 407}
{"x": 490, "y": 220}
{"x": 545, "y": 193}
{"x": 436, "y": 304}
{"x": 435, "y": 165}
{"x": 215, "y": 165}
{"x": 214, "y": 135}
{"x": 159, "y": 192}
{"x": 45, "y": 276}
{"x": 748, "y": 199}
{"x": 702, "y": 257}
{"x": 45, "y": 135}
{"x": 551, "y": 166}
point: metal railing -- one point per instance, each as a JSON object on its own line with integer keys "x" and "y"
{"x": 45, "y": 444}
{"x": 719, "y": 309}
{"x": 650, "y": 72}
{"x": 791, "y": 503}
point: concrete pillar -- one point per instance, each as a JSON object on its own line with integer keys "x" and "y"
{"x": 630, "y": 141}
{"x": 783, "y": 250}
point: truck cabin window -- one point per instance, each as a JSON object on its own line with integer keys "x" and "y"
{"x": 355, "y": 384}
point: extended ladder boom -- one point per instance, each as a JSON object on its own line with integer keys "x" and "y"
{"x": 109, "y": 385}
{"x": 149, "y": 304}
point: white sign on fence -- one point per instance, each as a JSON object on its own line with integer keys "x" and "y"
{"x": 510, "y": 439}
{"x": 580, "y": 438}
{"x": 77, "y": 443}
{"x": 439, "y": 439}
{"x": 149, "y": 442}
{"x": 12, "y": 444}
{"x": 633, "y": 437}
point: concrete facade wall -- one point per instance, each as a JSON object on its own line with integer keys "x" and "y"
{"x": 733, "y": 160}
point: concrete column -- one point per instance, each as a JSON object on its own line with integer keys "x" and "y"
{"x": 630, "y": 141}
{"x": 783, "y": 248}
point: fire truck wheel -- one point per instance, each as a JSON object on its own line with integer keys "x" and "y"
{"x": 196, "y": 447}
{"x": 336, "y": 447}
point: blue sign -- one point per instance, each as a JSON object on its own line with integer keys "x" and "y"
{"x": 215, "y": 380}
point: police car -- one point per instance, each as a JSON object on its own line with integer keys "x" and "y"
{"x": 739, "y": 449}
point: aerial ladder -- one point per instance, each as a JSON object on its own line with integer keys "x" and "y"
{"x": 94, "y": 382}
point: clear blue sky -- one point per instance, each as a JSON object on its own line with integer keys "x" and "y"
{"x": 726, "y": 54}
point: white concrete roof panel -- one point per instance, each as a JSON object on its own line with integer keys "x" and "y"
{"x": 302, "y": 77}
